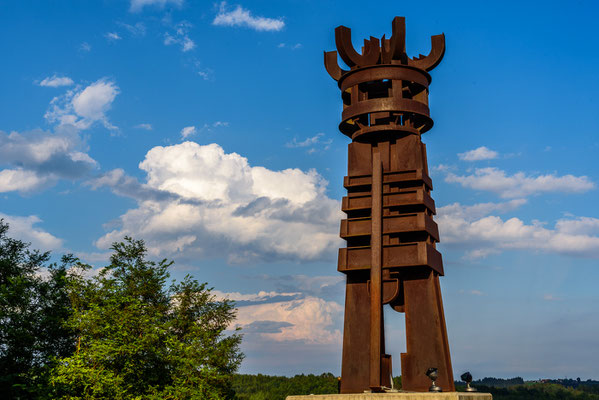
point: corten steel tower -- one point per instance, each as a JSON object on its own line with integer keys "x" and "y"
{"x": 390, "y": 256}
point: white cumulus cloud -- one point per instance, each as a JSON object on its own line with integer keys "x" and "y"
{"x": 23, "y": 228}
{"x": 81, "y": 108}
{"x": 95, "y": 100}
{"x": 580, "y": 225}
{"x": 56, "y": 81}
{"x": 310, "y": 320}
{"x": 37, "y": 159}
{"x": 21, "y": 180}
{"x": 188, "y": 131}
{"x": 219, "y": 205}
{"x": 520, "y": 185}
{"x": 473, "y": 229}
{"x": 244, "y": 18}
{"x": 481, "y": 153}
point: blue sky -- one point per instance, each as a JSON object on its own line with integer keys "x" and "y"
{"x": 210, "y": 130}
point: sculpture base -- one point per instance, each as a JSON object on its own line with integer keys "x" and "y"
{"x": 398, "y": 396}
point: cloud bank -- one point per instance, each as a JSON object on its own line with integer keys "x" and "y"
{"x": 38, "y": 159}
{"x": 216, "y": 204}
{"x": 520, "y": 185}
{"x": 310, "y": 320}
{"x": 472, "y": 228}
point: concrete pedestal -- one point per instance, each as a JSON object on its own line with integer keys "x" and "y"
{"x": 398, "y": 396}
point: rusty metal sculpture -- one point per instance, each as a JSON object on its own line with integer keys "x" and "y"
{"x": 390, "y": 256}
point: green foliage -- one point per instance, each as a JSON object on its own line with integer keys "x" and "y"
{"x": 139, "y": 339}
{"x": 589, "y": 388}
{"x": 32, "y": 315}
{"x": 540, "y": 391}
{"x": 264, "y": 387}
{"x": 124, "y": 334}
{"x": 397, "y": 382}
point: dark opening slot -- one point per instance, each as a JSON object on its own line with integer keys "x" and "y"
{"x": 362, "y": 213}
{"x": 358, "y": 241}
{"x": 409, "y": 237}
{"x": 407, "y": 209}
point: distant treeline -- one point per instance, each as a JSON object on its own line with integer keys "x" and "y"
{"x": 496, "y": 382}
{"x": 265, "y": 387}
{"x": 541, "y": 391}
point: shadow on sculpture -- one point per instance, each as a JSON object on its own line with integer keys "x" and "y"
{"x": 390, "y": 256}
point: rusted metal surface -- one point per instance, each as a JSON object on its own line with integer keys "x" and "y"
{"x": 390, "y": 256}
{"x": 376, "y": 274}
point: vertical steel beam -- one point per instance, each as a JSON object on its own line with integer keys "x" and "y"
{"x": 376, "y": 276}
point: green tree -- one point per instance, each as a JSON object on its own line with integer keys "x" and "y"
{"x": 32, "y": 315}
{"x": 265, "y": 387}
{"x": 140, "y": 339}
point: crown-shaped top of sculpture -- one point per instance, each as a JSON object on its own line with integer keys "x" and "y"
{"x": 380, "y": 52}
{"x": 384, "y": 92}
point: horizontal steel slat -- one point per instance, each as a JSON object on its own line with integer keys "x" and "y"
{"x": 396, "y": 256}
{"x": 395, "y": 199}
{"x": 391, "y": 224}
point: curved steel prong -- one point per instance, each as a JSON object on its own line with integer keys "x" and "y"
{"x": 397, "y": 44}
{"x": 332, "y": 66}
{"x": 434, "y": 57}
{"x": 345, "y": 47}
{"x": 347, "y": 52}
